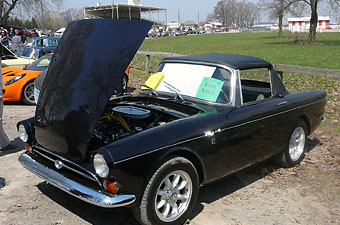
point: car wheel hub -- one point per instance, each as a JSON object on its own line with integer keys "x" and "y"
{"x": 29, "y": 93}
{"x": 297, "y": 143}
{"x": 173, "y": 196}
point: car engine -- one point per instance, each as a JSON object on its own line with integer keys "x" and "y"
{"x": 122, "y": 121}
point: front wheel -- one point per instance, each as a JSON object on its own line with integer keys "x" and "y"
{"x": 27, "y": 94}
{"x": 170, "y": 194}
{"x": 296, "y": 148}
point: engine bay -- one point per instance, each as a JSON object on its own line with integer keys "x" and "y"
{"x": 122, "y": 121}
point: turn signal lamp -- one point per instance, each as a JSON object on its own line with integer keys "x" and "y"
{"x": 28, "y": 148}
{"x": 112, "y": 186}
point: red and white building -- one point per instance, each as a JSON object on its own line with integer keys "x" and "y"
{"x": 302, "y": 24}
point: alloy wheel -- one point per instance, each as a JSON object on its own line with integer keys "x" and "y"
{"x": 297, "y": 143}
{"x": 173, "y": 196}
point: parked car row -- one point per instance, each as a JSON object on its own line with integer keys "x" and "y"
{"x": 154, "y": 32}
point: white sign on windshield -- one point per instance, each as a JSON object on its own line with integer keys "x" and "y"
{"x": 184, "y": 77}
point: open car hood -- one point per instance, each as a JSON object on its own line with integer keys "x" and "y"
{"x": 85, "y": 69}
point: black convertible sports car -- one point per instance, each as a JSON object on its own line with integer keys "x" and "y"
{"x": 198, "y": 119}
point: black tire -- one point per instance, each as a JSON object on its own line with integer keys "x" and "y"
{"x": 27, "y": 93}
{"x": 125, "y": 83}
{"x": 287, "y": 158}
{"x": 147, "y": 213}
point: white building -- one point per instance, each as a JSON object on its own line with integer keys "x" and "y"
{"x": 302, "y": 24}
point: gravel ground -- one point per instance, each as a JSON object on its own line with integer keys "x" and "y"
{"x": 263, "y": 194}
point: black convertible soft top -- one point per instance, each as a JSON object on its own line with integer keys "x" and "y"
{"x": 241, "y": 62}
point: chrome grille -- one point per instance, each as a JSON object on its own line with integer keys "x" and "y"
{"x": 67, "y": 164}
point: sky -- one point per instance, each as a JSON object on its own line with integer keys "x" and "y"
{"x": 188, "y": 8}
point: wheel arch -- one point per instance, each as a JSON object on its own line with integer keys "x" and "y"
{"x": 305, "y": 119}
{"x": 22, "y": 92}
{"x": 192, "y": 157}
{"x": 22, "y": 89}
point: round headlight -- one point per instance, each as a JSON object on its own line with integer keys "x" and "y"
{"x": 100, "y": 165}
{"x": 22, "y": 133}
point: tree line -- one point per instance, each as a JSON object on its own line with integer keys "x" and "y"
{"x": 243, "y": 13}
{"x": 42, "y": 13}
{"x": 235, "y": 13}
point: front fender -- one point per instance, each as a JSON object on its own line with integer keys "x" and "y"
{"x": 192, "y": 156}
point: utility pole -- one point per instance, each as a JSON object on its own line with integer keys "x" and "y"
{"x": 198, "y": 19}
{"x": 166, "y": 18}
{"x": 179, "y": 19}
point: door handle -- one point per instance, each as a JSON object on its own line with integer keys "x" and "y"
{"x": 282, "y": 103}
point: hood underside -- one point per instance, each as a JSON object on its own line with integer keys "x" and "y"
{"x": 86, "y": 68}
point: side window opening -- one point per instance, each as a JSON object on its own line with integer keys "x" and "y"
{"x": 255, "y": 85}
{"x": 223, "y": 75}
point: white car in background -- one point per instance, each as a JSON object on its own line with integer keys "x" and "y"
{"x": 60, "y": 32}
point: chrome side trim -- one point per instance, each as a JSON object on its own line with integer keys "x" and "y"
{"x": 95, "y": 197}
{"x": 276, "y": 114}
{"x": 228, "y": 128}
{"x": 86, "y": 173}
{"x": 157, "y": 149}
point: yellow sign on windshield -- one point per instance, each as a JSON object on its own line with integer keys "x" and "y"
{"x": 154, "y": 80}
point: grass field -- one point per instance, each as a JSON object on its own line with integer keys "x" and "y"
{"x": 325, "y": 54}
{"x": 292, "y": 50}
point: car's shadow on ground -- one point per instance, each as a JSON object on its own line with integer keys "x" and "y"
{"x": 228, "y": 185}
{"x": 208, "y": 194}
{"x": 20, "y": 146}
{"x": 16, "y": 103}
{"x": 90, "y": 213}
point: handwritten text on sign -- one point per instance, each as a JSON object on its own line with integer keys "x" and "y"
{"x": 209, "y": 89}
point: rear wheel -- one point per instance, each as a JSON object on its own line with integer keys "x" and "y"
{"x": 27, "y": 94}
{"x": 296, "y": 148}
{"x": 170, "y": 194}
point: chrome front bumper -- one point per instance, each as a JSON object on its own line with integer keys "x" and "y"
{"x": 95, "y": 197}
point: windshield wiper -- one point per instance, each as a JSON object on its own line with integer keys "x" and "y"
{"x": 172, "y": 88}
{"x": 151, "y": 89}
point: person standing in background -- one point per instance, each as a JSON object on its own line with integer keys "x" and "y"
{"x": 4, "y": 38}
{"x": 5, "y": 144}
{"x": 11, "y": 33}
{"x": 16, "y": 40}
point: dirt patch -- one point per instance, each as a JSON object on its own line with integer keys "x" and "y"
{"x": 263, "y": 194}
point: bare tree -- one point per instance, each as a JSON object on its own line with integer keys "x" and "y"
{"x": 230, "y": 12}
{"x": 6, "y": 8}
{"x": 314, "y": 16}
{"x": 277, "y": 8}
{"x": 313, "y": 19}
{"x": 210, "y": 18}
{"x": 30, "y": 7}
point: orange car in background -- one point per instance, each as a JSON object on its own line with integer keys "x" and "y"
{"x": 19, "y": 82}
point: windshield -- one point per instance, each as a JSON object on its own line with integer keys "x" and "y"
{"x": 45, "y": 42}
{"x": 41, "y": 64}
{"x": 26, "y": 52}
{"x": 208, "y": 83}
